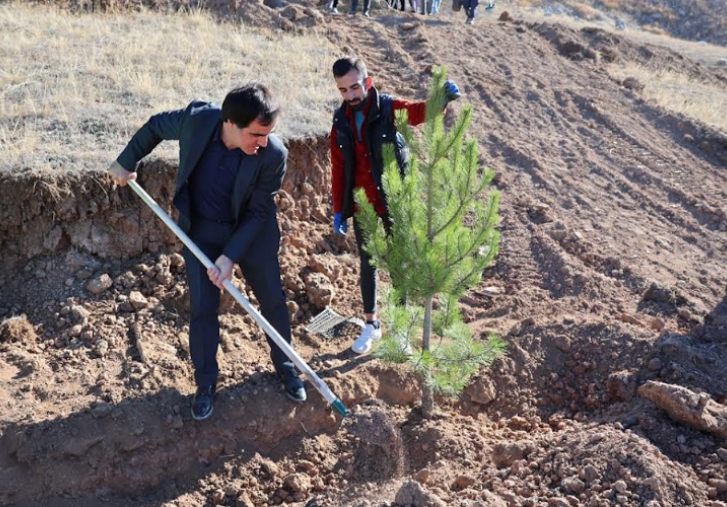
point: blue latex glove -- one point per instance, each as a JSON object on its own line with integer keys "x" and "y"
{"x": 451, "y": 90}
{"x": 340, "y": 226}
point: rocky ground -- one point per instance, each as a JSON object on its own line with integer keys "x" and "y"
{"x": 609, "y": 289}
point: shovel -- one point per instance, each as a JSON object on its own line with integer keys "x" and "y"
{"x": 332, "y": 400}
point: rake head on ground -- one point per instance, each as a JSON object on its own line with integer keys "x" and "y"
{"x": 330, "y": 324}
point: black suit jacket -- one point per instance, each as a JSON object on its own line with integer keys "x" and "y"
{"x": 259, "y": 177}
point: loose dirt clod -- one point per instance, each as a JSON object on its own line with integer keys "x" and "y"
{"x": 17, "y": 329}
{"x": 380, "y": 452}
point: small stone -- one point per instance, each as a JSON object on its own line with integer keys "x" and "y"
{"x": 137, "y": 300}
{"x": 491, "y": 291}
{"x": 573, "y": 485}
{"x": 413, "y": 493}
{"x": 719, "y": 484}
{"x": 298, "y": 483}
{"x": 218, "y": 497}
{"x": 463, "y": 481}
{"x": 620, "y": 486}
{"x": 99, "y": 284}
{"x": 588, "y": 473}
{"x": 563, "y": 343}
{"x": 654, "y": 364}
{"x": 657, "y": 324}
{"x": 483, "y": 391}
{"x": 101, "y": 348}
{"x": 176, "y": 260}
{"x": 422, "y": 475}
{"x": 270, "y": 468}
{"x": 244, "y": 501}
{"x": 79, "y": 313}
{"x": 685, "y": 314}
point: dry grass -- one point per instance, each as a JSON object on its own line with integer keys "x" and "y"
{"x": 612, "y": 5}
{"x": 584, "y": 11}
{"x": 712, "y": 55}
{"x": 74, "y": 88}
{"x": 679, "y": 93}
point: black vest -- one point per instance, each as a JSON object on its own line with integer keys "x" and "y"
{"x": 378, "y": 129}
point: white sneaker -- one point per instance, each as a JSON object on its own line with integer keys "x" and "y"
{"x": 405, "y": 347}
{"x": 366, "y": 339}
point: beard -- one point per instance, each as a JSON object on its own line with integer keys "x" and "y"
{"x": 359, "y": 105}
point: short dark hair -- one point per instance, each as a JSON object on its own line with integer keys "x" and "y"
{"x": 248, "y": 103}
{"x": 344, "y": 65}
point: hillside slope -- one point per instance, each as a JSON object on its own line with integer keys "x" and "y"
{"x": 698, "y": 20}
{"x": 609, "y": 288}
{"x": 703, "y": 20}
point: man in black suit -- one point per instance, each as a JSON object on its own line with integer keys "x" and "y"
{"x": 231, "y": 166}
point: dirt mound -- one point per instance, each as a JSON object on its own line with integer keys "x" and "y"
{"x": 610, "y": 278}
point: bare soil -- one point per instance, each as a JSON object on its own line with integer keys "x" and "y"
{"x": 609, "y": 289}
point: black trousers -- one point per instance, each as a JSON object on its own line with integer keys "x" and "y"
{"x": 369, "y": 277}
{"x": 261, "y": 270}
{"x": 366, "y": 5}
{"x": 471, "y": 7}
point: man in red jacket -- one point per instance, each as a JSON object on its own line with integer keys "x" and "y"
{"x": 361, "y": 126}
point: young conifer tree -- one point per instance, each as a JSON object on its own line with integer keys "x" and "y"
{"x": 442, "y": 238}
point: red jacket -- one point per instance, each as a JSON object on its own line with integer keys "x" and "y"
{"x": 363, "y": 177}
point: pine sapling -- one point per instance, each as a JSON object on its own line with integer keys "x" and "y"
{"x": 441, "y": 239}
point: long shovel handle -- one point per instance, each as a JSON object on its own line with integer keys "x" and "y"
{"x": 321, "y": 386}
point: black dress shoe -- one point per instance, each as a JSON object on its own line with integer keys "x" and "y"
{"x": 202, "y": 403}
{"x": 294, "y": 389}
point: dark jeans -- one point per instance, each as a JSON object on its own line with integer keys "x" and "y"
{"x": 261, "y": 270}
{"x": 470, "y": 7}
{"x": 369, "y": 277}
{"x": 366, "y": 5}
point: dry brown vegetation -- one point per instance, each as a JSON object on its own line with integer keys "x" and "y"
{"x": 584, "y": 10}
{"x": 711, "y": 55}
{"x": 74, "y": 87}
{"x": 680, "y": 93}
{"x": 686, "y": 19}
